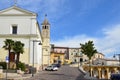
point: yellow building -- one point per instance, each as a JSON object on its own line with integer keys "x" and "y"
{"x": 55, "y": 57}
{"x": 59, "y": 54}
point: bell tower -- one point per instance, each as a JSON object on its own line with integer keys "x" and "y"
{"x": 45, "y": 42}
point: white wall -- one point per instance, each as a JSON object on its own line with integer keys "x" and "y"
{"x": 112, "y": 62}
{"x": 26, "y": 24}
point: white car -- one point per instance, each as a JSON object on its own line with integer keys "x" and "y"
{"x": 51, "y": 68}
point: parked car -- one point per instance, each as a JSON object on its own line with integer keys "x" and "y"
{"x": 115, "y": 77}
{"x": 56, "y": 65}
{"x": 51, "y": 68}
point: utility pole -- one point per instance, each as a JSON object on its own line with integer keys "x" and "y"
{"x": 33, "y": 55}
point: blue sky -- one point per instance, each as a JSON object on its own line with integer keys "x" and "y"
{"x": 77, "y": 21}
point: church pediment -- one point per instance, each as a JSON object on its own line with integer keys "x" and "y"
{"x": 14, "y": 10}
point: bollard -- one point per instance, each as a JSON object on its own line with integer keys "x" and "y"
{"x": 1, "y": 72}
{"x": 1, "y": 76}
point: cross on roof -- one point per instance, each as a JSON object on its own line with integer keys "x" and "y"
{"x": 45, "y": 15}
{"x": 15, "y": 2}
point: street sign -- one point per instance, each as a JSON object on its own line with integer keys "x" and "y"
{"x": 7, "y": 59}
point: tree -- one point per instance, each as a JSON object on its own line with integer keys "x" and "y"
{"x": 18, "y": 49}
{"x": 88, "y": 49}
{"x": 9, "y": 43}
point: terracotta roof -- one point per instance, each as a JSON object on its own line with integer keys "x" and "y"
{"x": 57, "y": 52}
{"x": 61, "y": 47}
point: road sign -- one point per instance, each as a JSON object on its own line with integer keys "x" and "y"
{"x": 7, "y": 59}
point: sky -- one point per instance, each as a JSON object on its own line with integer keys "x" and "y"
{"x": 78, "y": 21}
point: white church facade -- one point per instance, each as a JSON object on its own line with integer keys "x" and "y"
{"x": 22, "y": 25}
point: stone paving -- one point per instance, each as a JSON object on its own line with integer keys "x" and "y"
{"x": 64, "y": 73}
{"x": 15, "y": 76}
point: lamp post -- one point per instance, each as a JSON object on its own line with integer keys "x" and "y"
{"x": 118, "y": 56}
{"x": 33, "y": 54}
{"x": 78, "y": 62}
{"x": 81, "y": 58}
{"x": 7, "y": 61}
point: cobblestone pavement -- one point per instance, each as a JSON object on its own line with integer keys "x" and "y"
{"x": 64, "y": 73}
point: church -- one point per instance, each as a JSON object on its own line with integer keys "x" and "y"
{"x": 22, "y": 25}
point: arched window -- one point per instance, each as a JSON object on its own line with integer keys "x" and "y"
{"x": 45, "y": 27}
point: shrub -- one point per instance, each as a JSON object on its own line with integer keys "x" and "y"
{"x": 3, "y": 64}
{"x": 21, "y": 66}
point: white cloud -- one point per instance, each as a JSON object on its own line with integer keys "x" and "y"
{"x": 111, "y": 40}
{"x": 73, "y": 41}
{"x": 113, "y": 32}
{"x": 109, "y": 44}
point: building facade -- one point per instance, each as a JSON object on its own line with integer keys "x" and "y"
{"x": 102, "y": 67}
{"x": 21, "y": 25}
{"x": 75, "y": 55}
{"x": 59, "y": 54}
{"x": 57, "y": 57}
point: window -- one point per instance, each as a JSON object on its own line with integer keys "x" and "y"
{"x": 76, "y": 54}
{"x": 45, "y": 27}
{"x": 65, "y": 52}
{"x": 60, "y": 51}
{"x": 14, "y": 29}
{"x": 75, "y": 60}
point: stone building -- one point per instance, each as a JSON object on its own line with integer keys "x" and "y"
{"x": 45, "y": 42}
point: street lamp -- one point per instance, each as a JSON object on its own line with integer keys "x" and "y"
{"x": 118, "y": 56}
{"x": 81, "y": 58}
{"x": 33, "y": 54}
{"x": 7, "y": 61}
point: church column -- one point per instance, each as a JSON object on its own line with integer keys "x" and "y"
{"x": 99, "y": 73}
{"x": 108, "y": 73}
{"x": 115, "y": 70}
{"x": 91, "y": 71}
{"x": 103, "y": 73}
